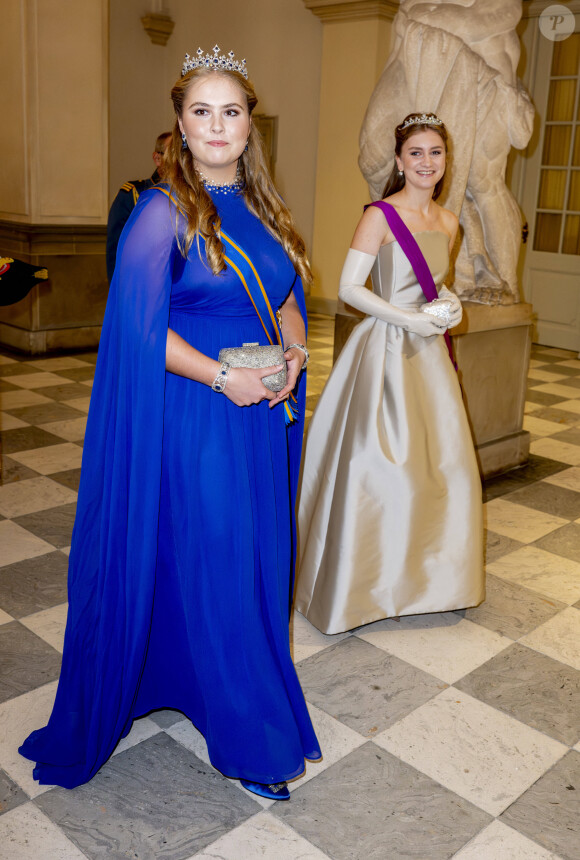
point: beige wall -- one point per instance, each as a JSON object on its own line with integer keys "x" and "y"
{"x": 14, "y": 180}
{"x": 354, "y": 54}
{"x": 140, "y": 77}
{"x": 281, "y": 41}
{"x": 53, "y": 137}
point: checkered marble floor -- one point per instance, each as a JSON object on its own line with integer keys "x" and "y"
{"x": 451, "y": 735}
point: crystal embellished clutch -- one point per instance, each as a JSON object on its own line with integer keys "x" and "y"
{"x": 254, "y": 355}
{"x": 440, "y": 308}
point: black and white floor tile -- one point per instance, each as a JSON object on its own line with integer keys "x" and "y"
{"x": 445, "y": 736}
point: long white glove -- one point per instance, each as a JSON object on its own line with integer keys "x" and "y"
{"x": 357, "y": 267}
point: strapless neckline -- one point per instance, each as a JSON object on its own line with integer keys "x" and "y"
{"x": 417, "y": 233}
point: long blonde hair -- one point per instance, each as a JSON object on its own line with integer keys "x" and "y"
{"x": 259, "y": 191}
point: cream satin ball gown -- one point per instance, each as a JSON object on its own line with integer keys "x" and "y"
{"x": 390, "y": 512}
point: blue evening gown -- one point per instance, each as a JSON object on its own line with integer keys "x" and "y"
{"x": 180, "y": 572}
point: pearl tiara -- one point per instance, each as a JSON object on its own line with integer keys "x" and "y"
{"x": 422, "y": 119}
{"x": 219, "y": 63}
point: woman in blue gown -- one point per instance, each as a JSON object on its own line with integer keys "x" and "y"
{"x": 180, "y": 573}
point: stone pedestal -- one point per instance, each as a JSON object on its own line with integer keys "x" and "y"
{"x": 492, "y": 348}
{"x": 66, "y": 311}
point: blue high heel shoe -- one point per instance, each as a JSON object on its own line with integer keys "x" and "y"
{"x": 276, "y": 791}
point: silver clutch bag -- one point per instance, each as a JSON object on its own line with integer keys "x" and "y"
{"x": 440, "y": 308}
{"x": 254, "y": 355}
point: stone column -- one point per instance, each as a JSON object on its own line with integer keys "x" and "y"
{"x": 54, "y": 167}
{"x": 356, "y": 44}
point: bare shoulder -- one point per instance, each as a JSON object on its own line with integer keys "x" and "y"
{"x": 372, "y": 217}
{"x": 372, "y": 231}
{"x": 450, "y": 220}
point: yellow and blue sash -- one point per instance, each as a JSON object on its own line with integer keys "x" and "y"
{"x": 242, "y": 265}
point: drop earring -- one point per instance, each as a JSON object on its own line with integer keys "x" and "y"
{"x": 183, "y": 140}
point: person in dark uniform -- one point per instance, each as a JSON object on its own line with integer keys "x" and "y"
{"x": 127, "y": 197}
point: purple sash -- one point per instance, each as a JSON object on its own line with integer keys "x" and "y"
{"x": 415, "y": 256}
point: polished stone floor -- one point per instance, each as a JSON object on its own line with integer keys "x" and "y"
{"x": 452, "y": 735}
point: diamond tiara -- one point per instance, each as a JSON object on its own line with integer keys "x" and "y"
{"x": 219, "y": 62}
{"x": 422, "y": 119}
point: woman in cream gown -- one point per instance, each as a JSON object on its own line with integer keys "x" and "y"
{"x": 390, "y": 509}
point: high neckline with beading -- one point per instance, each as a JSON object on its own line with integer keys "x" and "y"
{"x": 221, "y": 187}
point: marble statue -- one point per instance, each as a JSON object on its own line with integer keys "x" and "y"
{"x": 458, "y": 59}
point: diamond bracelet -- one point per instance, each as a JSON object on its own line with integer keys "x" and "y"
{"x": 303, "y": 349}
{"x": 221, "y": 379}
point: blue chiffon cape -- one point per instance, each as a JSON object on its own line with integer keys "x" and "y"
{"x": 183, "y": 548}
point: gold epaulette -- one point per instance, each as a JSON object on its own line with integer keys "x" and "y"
{"x": 129, "y": 186}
